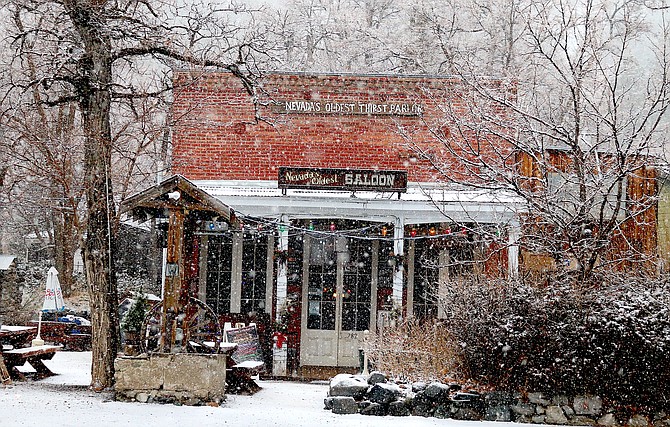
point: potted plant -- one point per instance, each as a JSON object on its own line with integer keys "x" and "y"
{"x": 131, "y": 325}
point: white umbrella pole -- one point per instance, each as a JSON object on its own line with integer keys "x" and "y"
{"x": 38, "y": 340}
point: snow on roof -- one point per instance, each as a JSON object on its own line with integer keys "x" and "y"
{"x": 422, "y": 203}
{"x": 6, "y": 261}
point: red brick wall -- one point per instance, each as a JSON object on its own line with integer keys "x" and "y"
{"x": 216, "y": 136}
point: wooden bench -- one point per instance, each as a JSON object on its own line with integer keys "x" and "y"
{"x": 34, "y": 356}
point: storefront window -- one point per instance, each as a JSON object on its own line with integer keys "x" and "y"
{"x": 254, "y": 273}
{"x": 426, "y": 278}
{"x": 219, "y": 272}
{"x": 385, "y": 271}
{"x": 443, "y": 253}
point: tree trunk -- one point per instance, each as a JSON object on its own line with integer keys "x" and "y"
{"x": 98, "y": 244}
{"x": 94, "y": 87}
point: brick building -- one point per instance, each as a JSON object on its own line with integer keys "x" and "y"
{"x": 345, "y": 216}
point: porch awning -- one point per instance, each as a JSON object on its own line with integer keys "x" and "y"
{"x": 422, "y": 203}
{"x": 175, "y": 192}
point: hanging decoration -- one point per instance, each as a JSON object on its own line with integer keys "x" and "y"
{"x": 376, "y": 231}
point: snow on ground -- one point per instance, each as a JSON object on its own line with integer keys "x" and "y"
{"x": 64, "y": 400}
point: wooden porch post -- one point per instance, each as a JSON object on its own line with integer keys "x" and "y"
{"x": 173, "y": 280}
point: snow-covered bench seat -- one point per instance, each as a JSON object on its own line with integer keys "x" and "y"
{"x": 34, "y": 356}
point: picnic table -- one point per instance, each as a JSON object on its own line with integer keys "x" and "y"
{"x": 16, "y": 336}
{"x": 16, "y": 351}
{"x": 70, "y": 335}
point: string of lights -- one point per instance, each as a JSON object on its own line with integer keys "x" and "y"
{"x": 324, "y": 229}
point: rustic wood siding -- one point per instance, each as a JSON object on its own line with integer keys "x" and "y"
{"x": 663, "y": 224}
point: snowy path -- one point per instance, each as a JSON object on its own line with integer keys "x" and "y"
{"x": 63, "y": 400}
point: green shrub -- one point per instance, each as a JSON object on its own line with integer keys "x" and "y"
{"x": 612, "y": 341}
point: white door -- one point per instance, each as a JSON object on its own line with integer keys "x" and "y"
{"x": 337, "y": 299}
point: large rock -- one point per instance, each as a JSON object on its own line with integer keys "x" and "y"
{"x": 423, "y": 410}
{"x": 384, "y": 393}
{"x": 142, "y": 397}
{"x": 418, "y": 386}
{"x": 377, "y": 377}
{"x": 421, "y": 405}
{"x": 348, "y": 385}
{"x": 437, "y": 392}
{"x": 344, "y": 405}
{"x": 467, "y": 406}
{"x": 363, "y": 404}
{"x": 182, "y": 377}
{"x": 499, "y": 398}
{"x": 554, "y": 415}
{"x": 467, "y": 413}
{"x": 399, "y": 409}
{"x": 608, "y": 420}
{"x": 539, "y": 399}
{"x": 442, "y": 412}
{"x": 374, "y": 409}
{"x": 467, "y": 397}
{"x": 560, "y": 400}
{"x": 581, "y": 420}
{"x": 498, "y": 413}
{"x": 420, "y": 398}
{"x": 588, "y": 405}
{"x": 523, "y": 409}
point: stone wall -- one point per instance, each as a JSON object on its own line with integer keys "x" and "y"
{"x": 190, "y": 379}
{"x": 375, "y": 395}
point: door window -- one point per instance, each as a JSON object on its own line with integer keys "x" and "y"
{"x": 339, "y": 283}
{"x": 322, "y": 288}
{"x": 356, "y": 288}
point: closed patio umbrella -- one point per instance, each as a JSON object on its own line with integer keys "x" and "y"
{"x": 53, "y": 301}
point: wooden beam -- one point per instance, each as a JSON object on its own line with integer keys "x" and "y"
{"x": 173, "y": 279}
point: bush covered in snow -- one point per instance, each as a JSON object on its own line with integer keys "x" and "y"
{"x": 613, "y": 341}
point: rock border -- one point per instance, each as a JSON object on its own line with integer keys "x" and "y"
{"x": 376, "y": 395}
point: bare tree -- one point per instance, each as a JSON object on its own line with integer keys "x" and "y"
{"x": 400, "y": 36}
{"x": 93, "y": 54}
{"x": 45, "y": 146}
{"x": 581, "y": 127}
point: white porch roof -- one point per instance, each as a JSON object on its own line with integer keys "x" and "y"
{"x": 422, "y": 203}
{"x": 6, "y": 261}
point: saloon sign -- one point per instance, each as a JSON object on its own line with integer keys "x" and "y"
{"x": 343, "y": 179}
